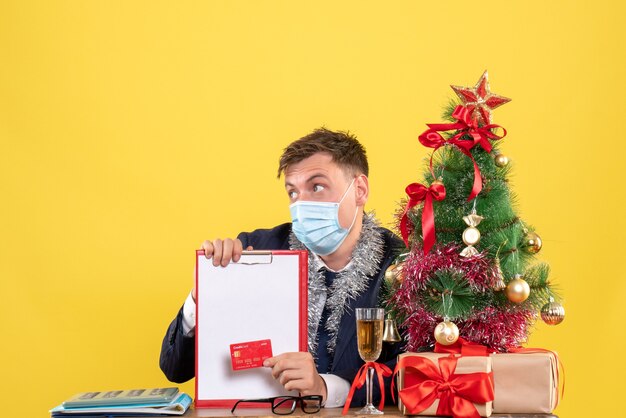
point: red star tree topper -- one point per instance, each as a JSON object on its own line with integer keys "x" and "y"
{"x": 480, "y": 100}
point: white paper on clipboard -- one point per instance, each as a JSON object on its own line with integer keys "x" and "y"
{"x": 263, "y": 296}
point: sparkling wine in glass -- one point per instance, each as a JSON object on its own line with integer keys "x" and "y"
{"x": 369, "y": 330}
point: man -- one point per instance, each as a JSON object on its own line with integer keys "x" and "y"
{"x": 327, "y": 185}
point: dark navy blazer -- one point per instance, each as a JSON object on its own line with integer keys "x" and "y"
{"x": 177, "y": 352}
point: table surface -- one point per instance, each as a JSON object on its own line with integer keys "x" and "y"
{"x": 390, "y": 411}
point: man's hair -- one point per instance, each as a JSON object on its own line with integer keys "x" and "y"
{"x": 346, "y": 151}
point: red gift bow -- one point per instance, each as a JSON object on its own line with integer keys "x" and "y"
{"x": 359, "y": 381}
{"x": 465, "y": 125}
{"x": 456, "y": 392}
{"x": 418, "y": 193}
{"x": 463, "y": 347}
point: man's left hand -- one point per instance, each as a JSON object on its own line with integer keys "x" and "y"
{"x": 296, "y": 371}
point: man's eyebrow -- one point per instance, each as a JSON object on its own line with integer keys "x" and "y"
{"x": 313, "y": 177}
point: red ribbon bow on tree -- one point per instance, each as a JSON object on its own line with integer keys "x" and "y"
{"x": 456, "y": 392}
{"x": 418, "y": 193}
{"x": 431, "y": 138}
{"x": 381, "y": 371}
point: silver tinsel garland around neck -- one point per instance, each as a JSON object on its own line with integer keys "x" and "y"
{"x": 347, "y": 285}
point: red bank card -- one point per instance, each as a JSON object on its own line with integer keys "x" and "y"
{"x": 251, "y": 354}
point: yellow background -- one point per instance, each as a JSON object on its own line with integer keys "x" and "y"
{"x": 130, "y": 131}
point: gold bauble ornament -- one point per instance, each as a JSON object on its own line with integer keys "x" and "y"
{"x": 446, "y": 333}
{"x": 532, "y": 242}
{"x": 394, "y": 273}
{"x": 501, "y": 160}
{"x": 552, "y": 313}
{"x": 390, "y": 274}
{"x": 517, "y": 291}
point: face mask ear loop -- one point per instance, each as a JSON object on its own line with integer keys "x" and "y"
{"x": 354, "y": 219}
{"x": 346, "y": 192}
{"x": 357, "y": 208}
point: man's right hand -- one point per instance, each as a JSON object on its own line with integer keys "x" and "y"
{"x": 222, "y": 252}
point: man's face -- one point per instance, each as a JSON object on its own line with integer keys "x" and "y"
{"x": 319, "y": 179}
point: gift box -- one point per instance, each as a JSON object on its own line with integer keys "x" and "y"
{"x": 444, "y": 384}
{"x": 525, "y": 382}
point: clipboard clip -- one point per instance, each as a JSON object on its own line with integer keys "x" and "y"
{"x": 256, "y": 257}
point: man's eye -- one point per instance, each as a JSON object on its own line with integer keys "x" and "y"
{"x": 318, "y": 188}
{"x": 292, "y": 195}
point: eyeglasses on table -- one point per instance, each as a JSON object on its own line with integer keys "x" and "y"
{"x": 285, "y": 405}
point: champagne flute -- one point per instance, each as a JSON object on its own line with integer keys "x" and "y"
{"x": 369, "y": 330}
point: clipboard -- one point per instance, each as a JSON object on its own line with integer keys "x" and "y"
{"x": 262, "y": 296}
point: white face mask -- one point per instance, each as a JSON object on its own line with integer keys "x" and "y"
{"x": 316, "y": 224}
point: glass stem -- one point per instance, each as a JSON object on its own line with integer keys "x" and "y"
{"x": 369, "y": 381}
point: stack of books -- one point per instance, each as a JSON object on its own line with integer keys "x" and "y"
{"x": 134, "y": 402}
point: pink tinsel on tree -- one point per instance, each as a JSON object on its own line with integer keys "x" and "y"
{"x": 497, "y": 328}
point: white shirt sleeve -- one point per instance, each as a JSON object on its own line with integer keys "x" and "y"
{"x": 336, "y": 390}
{"x": 189, "y": 317}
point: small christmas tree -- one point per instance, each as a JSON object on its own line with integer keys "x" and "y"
{"x": 469, "y": 268}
